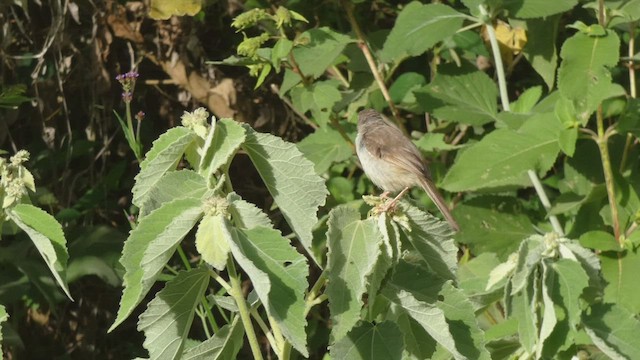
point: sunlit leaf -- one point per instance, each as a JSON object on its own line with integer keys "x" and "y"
{"x": 368, "y": 341}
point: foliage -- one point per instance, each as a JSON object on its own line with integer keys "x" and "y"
{"x": 531, "y": 108}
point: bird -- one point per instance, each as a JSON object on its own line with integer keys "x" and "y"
{"x": 393, "y": 163}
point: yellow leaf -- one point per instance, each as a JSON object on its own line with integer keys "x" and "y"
{"x": 164, "y": 9}
{"x": 511, "y": 40}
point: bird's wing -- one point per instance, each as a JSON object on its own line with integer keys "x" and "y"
{"x": 389, "y": 143}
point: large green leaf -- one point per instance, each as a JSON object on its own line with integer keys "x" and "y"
{"x": 319, "y": 97}
{"x": 278, "y": 274}
{"x": 165, "y": 153}
{"x": 324, "y": 147}
{"x": 174, "y": 185}
{"x": 583, "y": 75}
{"x": 496, "y": 224}
{"x": 418, "y": 28}
{"x": 570, "y": 281}
{"x": 245, "y": 214}
{"x": 368, "y": 341}
{"x": 149, "y": 246}
{"x": 228, "y": 135}
{"x": 504, "y": 156}
{"x": 223, "y": 345}
{"x": 321, "y": 51}
{"x": 419, "y": 299}
{"x": 167, "y": 320}
{"x": 549, "y": 319}
{"x": 523, "y": 310}
{"x": 433, "y": 241}
{"x": 619, "y": 270}
{"x": 469, "y": 98}
{"x": 46, "y": 234}
{"x": 354, "y": 247}
{"x": 614, "y": 330}
{"x": 290, "y": 179}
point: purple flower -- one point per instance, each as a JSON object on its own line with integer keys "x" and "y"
{"x": 128, "y": 81}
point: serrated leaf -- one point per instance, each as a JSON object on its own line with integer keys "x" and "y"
{"x": 504, "y": 156}
{"x": 583, "y": 75}
{"x": 369, "y": 341}
{"x": 319, "y": 97}
{"x": 529, "y": 257}
{"x": 619, "y": 270}
{"x": 418, "y": 28}
{"x": 210, "y": 241}
{"x": 614, "y": 330}
{"x": 223, "y": 345}
{"x": 419, "y": 300}
{"x": 245, "y": 214}
{"x": 433, "y": 241}
{"x": 321, "y": 51}
{"x": 599, "y": 240}
{"x": 523, "y": 311}
{"x": 549, "y": 318}
{"x": 469, "y": 98}
{"x": 290, "y": 179}
{"x": 354, "y": 247}
{"x": 165, "y": 153}
{"x": 527, "y": 100}
{"x": 325, "y": 147}
{"x": 46, "y": 234}
{"x": 571, "y": 279}
{"x": 167, "y": 320}
{"x": 174, "y": 185}
{"x": 497, "y": 224}
{"x": 278, "y": 274}
{"x": 227, "y": 138}
{"x": 149, "y": 246}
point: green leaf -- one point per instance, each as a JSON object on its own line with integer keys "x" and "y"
{"x": 538, "y": 8}
{"x": 527, "y": 100}
{"x": 469, "y": 98}
{"x": 401, "y": 90}
{"x": 320, "y": 52}
{"x": 164, "y": 155}
{"x": 174, "y": 185}
{"x": 583, "y": 75}
{"x": 418, "y": 344}
{"x": 570, "y": 281}
{"x": 540, "y": 49}
{"x": 167, "y": 320}
{"x": 290, "y": 179}
{"x": 462, "y": 323}
{"x": 419, "y": 299}
{"x": 474, "y": 275}
{"x": 280, "y": 51}
{"x": 614, "y": 330}
{"x": 245, "y": 214}
{"x": 278, "y": 274}
{"x": 523, "y": 311}
{"x": 164, "y": 9}
{"x": 46, "y": 234}
{"x": 567, "y": 140}
{"x": 210, "y": 241}
{"x": 504, "y": 156}
{"x": 223, "y": 345}
{"x": 320, "y": 97}
{"x": 619, "y": 270}
{"x": 228, "y": 135}
{"x": 629, "y": 121}
{"x": 433, "y": 241}
{"x": 354, "y": 247}
{"x": 418, "y": 28}
{"x": 368, "y": 341}
{"x": 529, "y": 257}
{"x": 599, "y": 240}
{"x": 434, "y": 142}
{"x": 497, "y": 224}
{"x": 325, "y": 147}
{"x": 149, "y": 246}
{"x": 3, "y": 317}
{"x": 548, "y": 313}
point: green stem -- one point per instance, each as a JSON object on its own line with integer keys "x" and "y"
{"x": 245, "y": 316}
{"x": 209, "y": 314}
{"x": 183, "y": 257}
{"x": 504, "y": 98}
{"x": 632, "y": 89}
{"x": 601, "y": 140}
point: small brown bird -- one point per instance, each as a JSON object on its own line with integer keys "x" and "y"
{"x": 393, "y": 162}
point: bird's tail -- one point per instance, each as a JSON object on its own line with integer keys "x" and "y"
{"x": 435, "y": 196}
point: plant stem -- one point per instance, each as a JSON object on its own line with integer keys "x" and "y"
{"x": 207, "y": 310}
{"x": 632, "y": 90}
{"x": 504, "y": 98}
{"x": 245, "y": 316}
{"x": 362, "y": 44}
{"x": 601, "y": 140}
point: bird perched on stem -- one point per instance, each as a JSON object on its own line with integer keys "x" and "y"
{"x": 393, "y": 162}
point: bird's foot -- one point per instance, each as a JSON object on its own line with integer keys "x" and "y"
{"x": 389, "y": 206}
